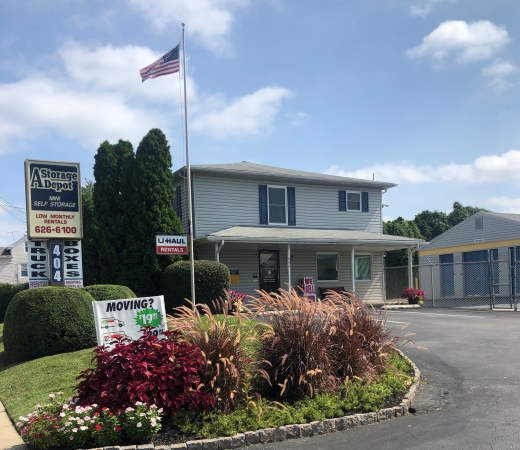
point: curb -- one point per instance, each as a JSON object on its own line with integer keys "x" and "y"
{"x": 287, "y": 432}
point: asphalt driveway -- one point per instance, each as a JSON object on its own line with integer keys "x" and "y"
{"x": 471, "y": 396}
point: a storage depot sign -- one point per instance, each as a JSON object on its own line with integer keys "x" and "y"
{"x": 53, "y": 195}
{"x": 171, "y": 245}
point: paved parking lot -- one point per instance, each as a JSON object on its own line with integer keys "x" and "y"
{"x": 471, "y": 395}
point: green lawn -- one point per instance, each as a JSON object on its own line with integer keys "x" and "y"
{"x": 24, "y": 385}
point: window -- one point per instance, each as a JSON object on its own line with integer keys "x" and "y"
{"x": 327, "y": 266}
{"x": 353, "y": 201}
{"x": 362, "y": 269}
{"x": 26, "y": 247}
{"x": 23, "y": 270}
{"x": 479, "y": 223}
{"x": 277, "y": 205}
{"x": 276, "y": 197}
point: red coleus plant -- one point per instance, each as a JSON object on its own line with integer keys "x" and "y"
{"x": 413, "y": 294}
{"x": 163, "y": 372}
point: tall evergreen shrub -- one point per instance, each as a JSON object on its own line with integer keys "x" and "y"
{"x": 113, "y": 171}
{"x": 152, "y": 212}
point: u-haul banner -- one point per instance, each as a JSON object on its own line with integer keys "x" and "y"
{"x": 171, "y": 245}
{"x": 126, "y": 317}
{"x": 53, "y": 195}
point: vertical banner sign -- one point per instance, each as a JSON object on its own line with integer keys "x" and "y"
{"x": 72, "y": 265}
{"x": 38, "y": 264}
{"x": 115, "y": 319}
{"x": 53, "y": 195}
{"x": 57, "y": 263}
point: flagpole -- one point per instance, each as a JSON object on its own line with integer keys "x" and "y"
{"x": 188, "y": 175}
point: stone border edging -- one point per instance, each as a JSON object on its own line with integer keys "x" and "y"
{"x": 286, "y": 432}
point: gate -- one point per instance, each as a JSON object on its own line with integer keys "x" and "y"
{"x": 482, "y": 281}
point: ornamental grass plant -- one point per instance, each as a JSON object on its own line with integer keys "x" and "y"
{"x": 315, "y": 347}
{"x": 227, "y": 365}
{"x": 293, "y": 357}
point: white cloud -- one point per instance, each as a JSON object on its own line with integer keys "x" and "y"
{"x": 484, "y": 169}
{"x": 465, "y": 42}
{"x": 498, "y": 74}
{"x": 424, "y": 8}
{"x": 297, "y": 118}
{"x": 208, "y": 21}
{"x": 248, "y": 115}
{"x": 92, "y": 94}
{"x": 506, "y": 204}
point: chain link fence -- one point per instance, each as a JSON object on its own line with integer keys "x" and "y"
{"x": 479, "y": 285}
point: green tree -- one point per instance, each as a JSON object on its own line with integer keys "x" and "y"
{"x": 113, "y": 169}
{"x": 432, "y": 223}
{"x": 405, "y": 228}
{"x": 152, "y": 212}
{"x": 89, "y": 245}
{"x": 461, "y": 213}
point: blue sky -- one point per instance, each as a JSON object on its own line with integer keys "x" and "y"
{"x": 424, "y": 93}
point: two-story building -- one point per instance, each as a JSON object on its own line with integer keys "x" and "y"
{"x": 13, "y": 262}
{"x": 273, "y": 227}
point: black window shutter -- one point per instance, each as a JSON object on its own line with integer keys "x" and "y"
{"x": 291, "y": 203}
{"x": 342, "y": 200}
{"x": 178, "y": 202}
{"x": 262, "y": 201}
{"x": 364, "y": 201}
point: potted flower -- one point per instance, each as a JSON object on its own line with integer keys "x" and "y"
{"x": 236, "y": 299}
{"x": 414, "y": 296}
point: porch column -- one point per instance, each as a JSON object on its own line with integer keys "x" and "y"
{"x": 289, "y": 265}
{"x": 410, "y": 267}
{"x": 217, "y": 250}
{"x": 352, "y": 271}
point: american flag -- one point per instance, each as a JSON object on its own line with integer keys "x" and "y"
{"x": 169, "y": 63}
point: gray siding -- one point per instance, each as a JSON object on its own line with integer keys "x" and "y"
{"x": 495, "y": 229}
{"x": 245, "y": 259}
{"x": 184, "y": 203}
{"x": 222, "y": 203}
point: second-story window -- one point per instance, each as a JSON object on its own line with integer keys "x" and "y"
{"x": 277, "y": 205}
{"x": 353, "y": 201}
{"x": 276, "y": 197}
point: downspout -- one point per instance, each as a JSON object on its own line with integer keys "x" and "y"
{"x": 217, "y": 250}
{"x": 289, "y": 265}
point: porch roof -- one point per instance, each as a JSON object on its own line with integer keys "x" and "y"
{"x": 292, "y": 235}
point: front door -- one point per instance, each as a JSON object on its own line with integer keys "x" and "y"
{"x": 269, "y": 270}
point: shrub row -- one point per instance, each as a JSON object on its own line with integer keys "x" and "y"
{"x": 7, "y": 292}
{"x": 211, "y": 283}
{"x": 51, "y": 320}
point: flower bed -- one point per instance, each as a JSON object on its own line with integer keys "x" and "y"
{"x": 223, "y": 375}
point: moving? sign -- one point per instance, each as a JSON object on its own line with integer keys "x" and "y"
{"x": 171, "y": 245}
{"x": 124, "y": 318}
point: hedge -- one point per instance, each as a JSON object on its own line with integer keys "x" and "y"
{"x": 109, "y": 292}
{"x": 47, "y": 321}
{"x": 7, "y": 292}
{"x": 211, "y": 283}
